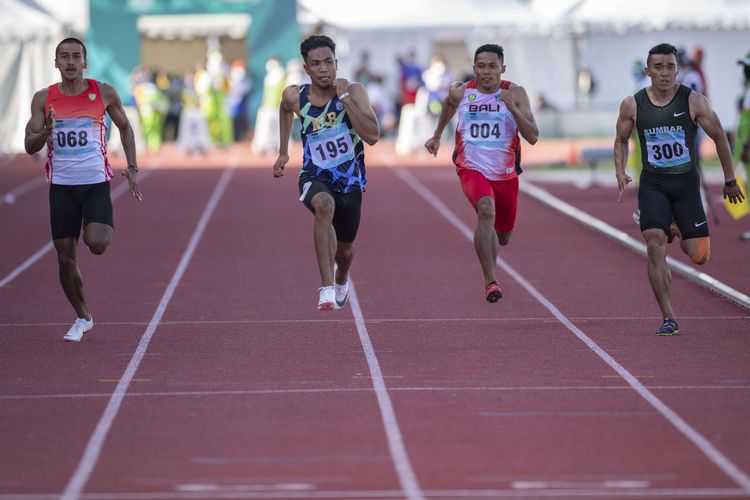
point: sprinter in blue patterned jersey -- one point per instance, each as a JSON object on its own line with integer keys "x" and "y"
{"x": 336, "y": 117}
{"x": 666, "y": 116}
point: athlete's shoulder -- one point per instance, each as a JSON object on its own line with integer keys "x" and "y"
{"x": 628, "y": 106}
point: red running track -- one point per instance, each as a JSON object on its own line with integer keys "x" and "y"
{"x": 246, "y": 391}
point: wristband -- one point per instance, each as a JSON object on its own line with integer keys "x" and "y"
{"x": 731, "y": 183}
{"x": 345, "y": 94}
{"x": 135, "y": 169}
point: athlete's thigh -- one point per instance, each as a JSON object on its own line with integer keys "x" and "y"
{"x": 506, "y": 204}
{"x": 309, "y": 188}
{"x": 474, "y": 185}
{"x": 347, "y": 215}
{"x": 65, "y": 212}
{"x": 688, "y": 212}
{"x": 654, "y": 204}
{"x": 96, "y": 205}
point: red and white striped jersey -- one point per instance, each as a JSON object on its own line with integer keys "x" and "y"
{"x": 487, "y": 134}
{"x": 77, "y": 147}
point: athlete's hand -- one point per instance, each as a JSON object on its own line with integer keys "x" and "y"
{"x": 49, "y": 122}
{"x": 733, "y": 194}
{"x": 506, "y": 95}
{"x": 131, "y": 174}
{"x": 432, "y": 145}
{"x": 622, "y": 182}
{"x": 278, "y": 167}
{"x": 341, "y": 85}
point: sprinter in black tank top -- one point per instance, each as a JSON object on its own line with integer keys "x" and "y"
{"x": 666, "y": 116}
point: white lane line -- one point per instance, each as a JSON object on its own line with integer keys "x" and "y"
{"x": 705, "y": 446}
{"x": 702, "y": 279}
{"x": 333, "y": 390}
{"x": 236, "y": 492}
{"x": 116, "y": 193}
{"x": 406, "y": 476}
{"x": 96, "y": 442}
{"x": 11, "y": 196}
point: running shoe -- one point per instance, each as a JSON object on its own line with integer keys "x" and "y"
{"x": 668, "y": 328}
{"x": 342, "y": 294}
{"x": 327, "y": 299}
{"x": 745, "y": 236}
{"x": 493, "y": 293}
{"x": 637, "y": 216}
{"x": 80, "y": 326}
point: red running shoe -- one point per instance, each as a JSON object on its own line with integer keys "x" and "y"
{"x": 493, "y": 293}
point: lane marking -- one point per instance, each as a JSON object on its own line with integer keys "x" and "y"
{"x": 606, "y": 492}
{"x": 254, "y": 392}
{"x": 96, "y": 442}
{"x": 691, "y": 274}
{"x": 703, "y": 444}
{"x": 11, "y": 196}
{"x": 406, "y": 476}
{"x": 116, "y": 193}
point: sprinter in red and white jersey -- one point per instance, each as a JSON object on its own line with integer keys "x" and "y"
{"x": 491, "y": 114}
{"x": 69, "y": 118}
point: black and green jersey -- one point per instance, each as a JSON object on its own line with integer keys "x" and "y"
{"x": 667, "y": 133}
{"x": 333, "y": 151}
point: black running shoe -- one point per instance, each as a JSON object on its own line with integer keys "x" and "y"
{"x": 668, "y": 328}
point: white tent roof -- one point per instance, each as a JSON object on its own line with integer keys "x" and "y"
{"x": 25, "y": 20}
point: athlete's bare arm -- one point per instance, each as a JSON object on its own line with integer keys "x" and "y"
{"x": 39, "y": 127}
{"x": 517, "y": 102}
{"x": 359, "y": 110}
{"x": 113, "y": 105}
{"x": 625, "y": 124}
{"x": 450, "y": 105}
{"x": 703, "y": 114}
{"x": 288, "y": 107}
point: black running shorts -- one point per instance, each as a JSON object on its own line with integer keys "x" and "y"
{"x": 347, "y": 207}
{"x": 663, "y": 197}
{"x": 69, "y": 206}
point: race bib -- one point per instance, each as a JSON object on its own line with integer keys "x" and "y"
{"x": 667, "y": 149}
{"x": 331, "y": 146}
{"x": 74, "y": 136}
{"x": 485, "y": 130}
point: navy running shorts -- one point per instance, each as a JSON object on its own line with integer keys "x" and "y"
{"x": 663, "y": 197}
{"x": 347, "y": 207}
{"x": 71, "y": 206}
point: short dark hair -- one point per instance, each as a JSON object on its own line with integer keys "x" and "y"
{"x": 313, "y": 42}
{"x": 490, "y": 47}
{"x": 71, "y": 40}
{"x": 663, "y": 49}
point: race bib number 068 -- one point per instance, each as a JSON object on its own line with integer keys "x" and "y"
{"x": 74, "y": 136}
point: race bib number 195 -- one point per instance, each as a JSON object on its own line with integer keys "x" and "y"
{"x": 331, "y": 147}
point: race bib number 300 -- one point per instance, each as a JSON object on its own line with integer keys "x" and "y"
{"x": 484, "y": 129}
{"x": 331, "y": 147}
{"x": 667, "y": 149}
{"x": 74, "y": 136}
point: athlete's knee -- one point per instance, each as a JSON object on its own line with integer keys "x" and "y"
{"x": 503, "y": 238}
{"x": 98, "y": 247}
{"x": 66, "y": 262}
{"x": 324, "y": 206}
{"x": 486, "y": 209}
{"x": 344, "y": 251}
{"x": 702, "y": 251}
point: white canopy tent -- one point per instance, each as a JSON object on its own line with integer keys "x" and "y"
{"x": 29, "y": 35}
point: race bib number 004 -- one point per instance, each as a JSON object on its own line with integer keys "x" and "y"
{"x": 667, "y": 149}
{"x": 484, "y": 129}
{"x": 331, "y": 147}
{"x": 74, "y": 136}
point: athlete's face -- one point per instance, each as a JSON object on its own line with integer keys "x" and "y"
{"x": 488, "y": 68}
{"x": 70, "y": 60}
{"x": 321, "y": 66}
{"x": 662, "y": 69}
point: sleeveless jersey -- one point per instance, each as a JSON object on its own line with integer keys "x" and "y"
{"x": 667, "y": 134}
{"x": 333, "y": 151}
{"x": 77, "y": 147}
{"x": 487, "y": 134}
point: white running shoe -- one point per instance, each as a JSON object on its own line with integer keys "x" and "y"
{"x": 80, "y": 326}
{"x": 327, "y": 299}
{"x": 637, "y": 216}
{"x": 342, "y": 294}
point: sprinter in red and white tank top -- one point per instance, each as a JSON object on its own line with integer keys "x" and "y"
{"x": 68, "y": 117}
{"x": 491, "y": 115}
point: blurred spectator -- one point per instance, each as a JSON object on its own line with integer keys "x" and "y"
{"x": 266, "y": 139}
{"x": 429, "y": 101}
{"x": 211, "y": 85}
{"x": 171, "y": 87}
{"x": 383, "y": 105}
{"x": 192, "y": 135}
{"x": 742, "y": 141}
{"x": 698, "y": 68}
{"x": 152, "y": 107}
{"x": 688, "y": 76}
{"x": 295, "y": 75}
{"x": 237, "y": 97}
{"x": 363, "y": 74}
{"x": 410, "y": 79}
